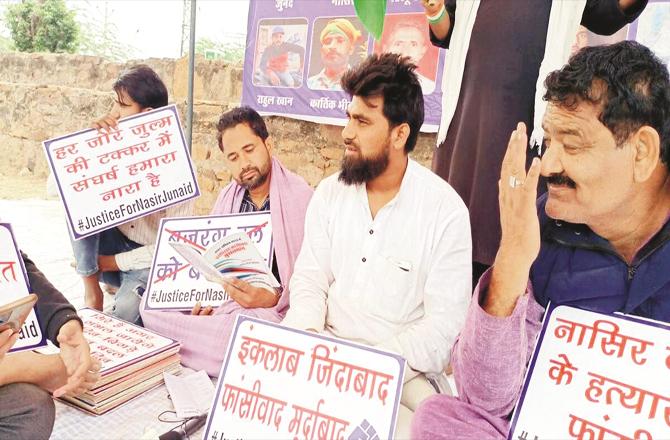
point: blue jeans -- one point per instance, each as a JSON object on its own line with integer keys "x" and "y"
{"x": 130, "y": 284}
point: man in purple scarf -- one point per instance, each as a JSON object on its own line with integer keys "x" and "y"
{"x": 599, "y": 239}
{"x": 260, "y": 183}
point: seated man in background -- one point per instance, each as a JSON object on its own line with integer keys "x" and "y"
{"x": 27, "y": 410}
{"x": 386, "y": 256}
{"x": 260, "y": 183}
{"x": 121, "y": 256}
{"x": 599, "y": 239}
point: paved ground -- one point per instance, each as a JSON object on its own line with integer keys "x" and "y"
{"x": 40, "y": 231}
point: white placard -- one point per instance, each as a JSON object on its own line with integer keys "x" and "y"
{"x": 596, "y": 376}
{"x": 106, "y": 179}
{"x": 14, "y": 285}
{"x": 173, "y": 283}
{"x": 279, "y": 383}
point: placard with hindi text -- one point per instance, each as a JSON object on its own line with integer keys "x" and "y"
{"x": 596, "y": 376}
{"x": 174, "y": 284}
{"x": 279, "y": 383}
{"x": 14, "y": 285}
{"x": 106, "y": 178}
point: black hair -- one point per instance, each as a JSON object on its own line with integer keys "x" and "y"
{"x": 392, "y": 77}
{"x": 241, "y": 115}
{"x": 143, "y": 85}
{"x": 626, "y": 80}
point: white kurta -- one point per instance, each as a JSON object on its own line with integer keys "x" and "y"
{"x": 400, "y": 281}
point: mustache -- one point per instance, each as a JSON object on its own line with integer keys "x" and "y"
{"x": 249, "y": 168}
{"x": 350, "y": 143}
{"x": 561, "y": 179}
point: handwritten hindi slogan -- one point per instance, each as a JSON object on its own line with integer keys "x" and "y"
{"x": 174, "y": 284}
{"x": 14, "y": 285}
{"x": 596, "y": 376}
{"x": 279, "y": 383}
{"x": 115, "y": 342}
{"x": 106, "y": 179}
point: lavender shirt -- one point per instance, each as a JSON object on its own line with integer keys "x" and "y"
{"x": 489, "y": 361}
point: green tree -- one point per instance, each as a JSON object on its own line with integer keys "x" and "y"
{"x": 42, "y": 26}
{"x": 231, "y": 52}
{"x": 100, "y": 36}
{"x": 6, "y": 44}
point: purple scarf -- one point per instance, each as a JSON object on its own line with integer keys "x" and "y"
{"x": 204, "y": 339}
{"x": 289, "y": 197}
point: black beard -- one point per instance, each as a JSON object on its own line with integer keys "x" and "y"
{"x": 362, "y": 170}
{"x": 256, "y": 181}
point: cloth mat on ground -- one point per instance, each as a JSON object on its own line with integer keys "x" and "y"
{"x": 137, "y": 419}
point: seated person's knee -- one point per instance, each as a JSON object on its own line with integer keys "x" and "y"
{"x": 32, "y": 412}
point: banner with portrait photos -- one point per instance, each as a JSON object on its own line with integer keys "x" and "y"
{"x": 297, "y": 51}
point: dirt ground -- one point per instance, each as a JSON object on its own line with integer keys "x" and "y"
{"x": 27, "y": 187}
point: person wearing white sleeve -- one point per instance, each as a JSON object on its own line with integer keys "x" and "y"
{"x": 121, "y": 256}
{"x": 385, "y": 259}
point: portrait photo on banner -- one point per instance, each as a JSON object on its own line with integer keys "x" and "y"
{"x": 407, "y": 34}
{"x": 337, "y": 44}
{"x": 280, "y": 52}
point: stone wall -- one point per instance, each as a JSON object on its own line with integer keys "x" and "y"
{"x": 46, "y": 95}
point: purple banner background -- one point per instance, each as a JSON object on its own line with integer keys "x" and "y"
{"x": 302, "y": 22}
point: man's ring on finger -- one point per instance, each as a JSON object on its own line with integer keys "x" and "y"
{"x": 514, "y": 182}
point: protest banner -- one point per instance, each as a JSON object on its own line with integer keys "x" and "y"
{"x": 108, "y": 178}
{"x": 596, "y": 376}
{"x": 174, "y": 284}
{"x": 279, "y": 383}
{"x": 14, "y": 285}
{"x": 293, "y": 62}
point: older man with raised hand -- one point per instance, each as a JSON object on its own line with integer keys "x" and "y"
{"x": 499, "y": 54}
{"x": 599, "y": 239}
{"x": 386, "y": 255}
